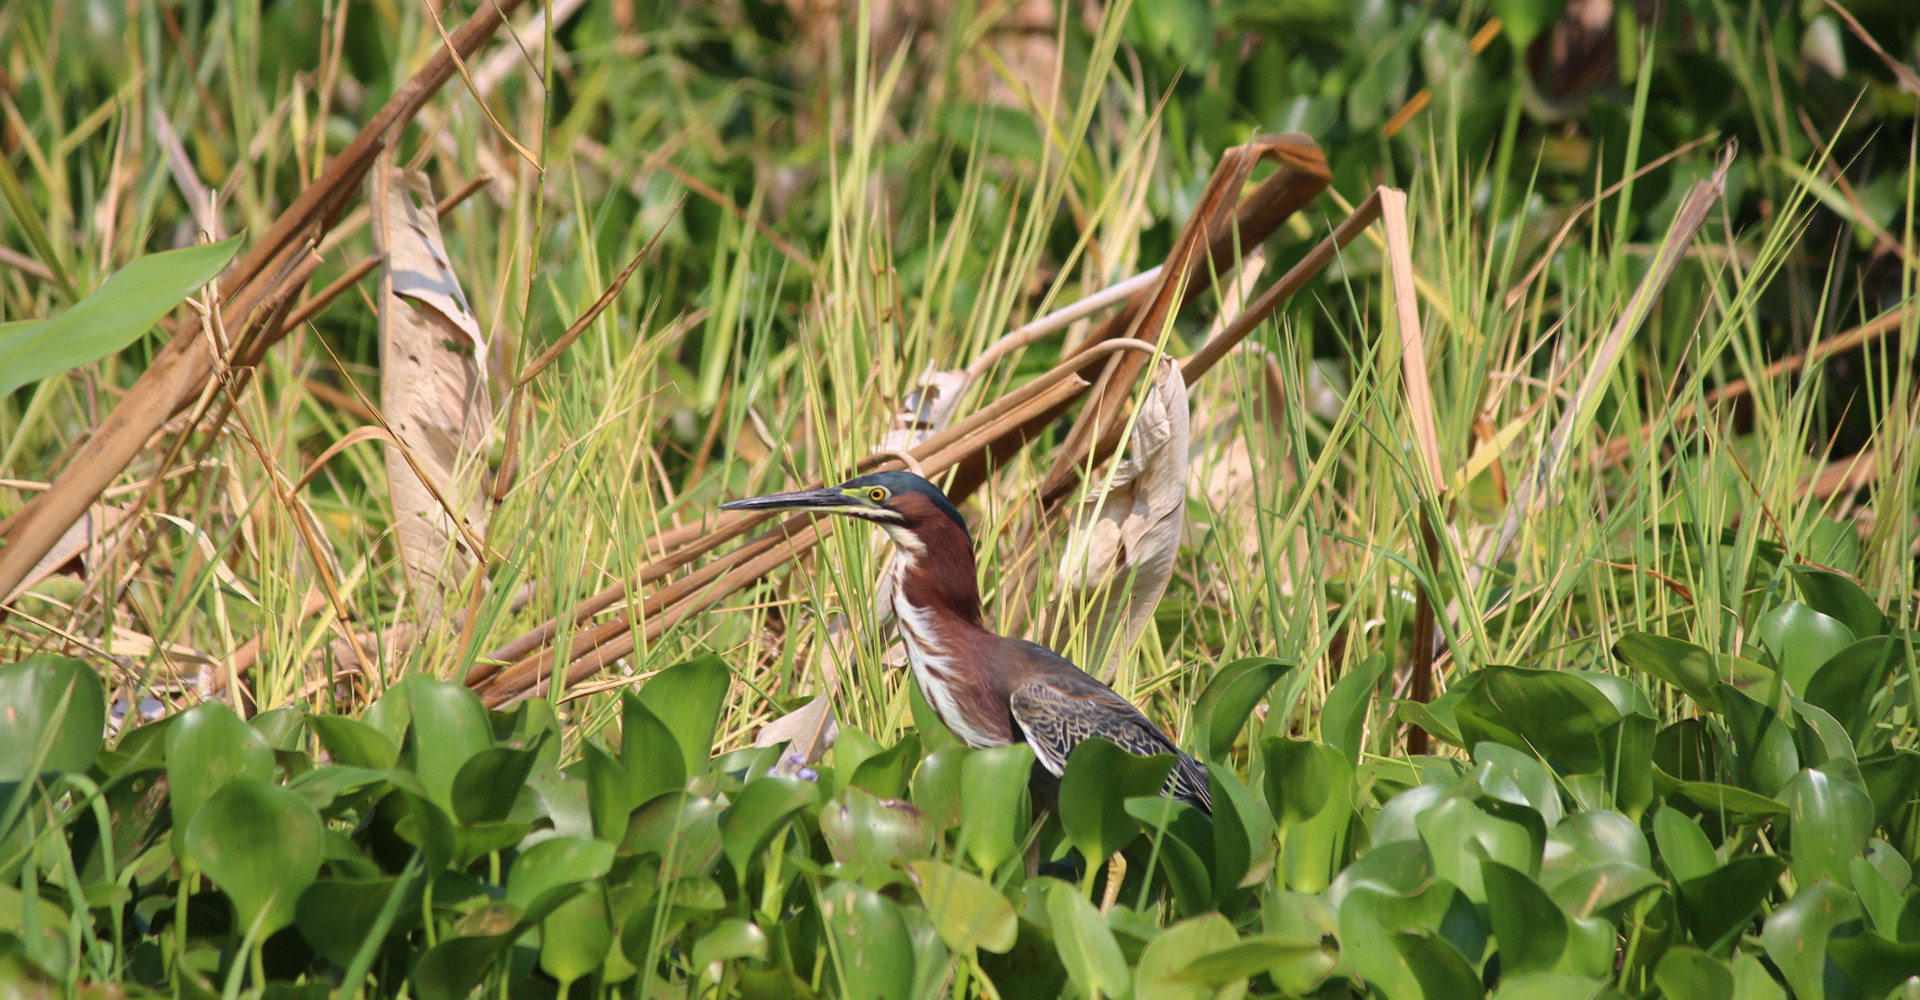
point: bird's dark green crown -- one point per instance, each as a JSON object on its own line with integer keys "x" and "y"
{"x": 883, "y": 497}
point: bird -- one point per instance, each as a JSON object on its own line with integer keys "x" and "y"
{"x": 988, "y": 689}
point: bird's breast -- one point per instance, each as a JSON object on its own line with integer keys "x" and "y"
{"x": 962, "y": 699}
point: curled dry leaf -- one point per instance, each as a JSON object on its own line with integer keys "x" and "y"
{"x": 1121, "y": 553}
{"x": 811, "y": 729}
{"x": 433, "y": 387}
{"x": 85, "y": 540}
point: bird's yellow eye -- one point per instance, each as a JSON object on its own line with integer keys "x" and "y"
{"x": 878, "y": 494}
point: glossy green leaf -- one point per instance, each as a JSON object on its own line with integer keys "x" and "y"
{"x": 872, "y": 953}
{"x": 885, "y": 773}
{"x": 1528, "y": 927}
{"x": 450, "y": 727}
{"x": 1242, "y": 834}
{"x": 1603, "y": 887}
{"x": 1690, "y": 668}
{"x": 1831, "y": 821}
{"x": 350, "y": 741}
{"x": 577, "y": 935}
{"x": 1370, "y": 918}
{"x": 1684, "y": 847}
{"x": 995, "y": 805}
{"x": 870, "y": 835}
{"x": 1157, "y": 976}
{"x": 115, "y": 315}
{"x": 1099, "y": 779}
{"x": 1736, "y": 804}
{"x": 1692, "y": 973}
{"x": 688, "y": 697}
{"x": 1845, "y": 685}
{"x": 554, "y": 864}
{"x": 936, "y": 785}
{"x": 336, "y": 915}
{"x": 649, "y": 750}
{"x": 1551, "y": 712}
{"x": 1523, "y": 20}
{"x": 1343, "y": 718}
{"x": 1763, "y": 742}
{"x": 1716, "y": 906}
{"x": 261, "y": 845}
{"x": 1459, "y": 836}
{"x": 964, "y": 908}
{"x": 1801, "y": 639}
{"x": 54, "y": 708}
{"x": 1795, "y": 935}
{"x": 1752, "y": 980}
{"x": 1841, "y": 599}
{"x": 729, "y": 941}
{"x": 1518, "y": 777}
{"x": 607, "y": 801}
{"x": 1087, "y": 947}
{"x": 1298, "y": 919}
{"x": 761, "y": 810}
{"x": 1878, "y": 967}
{"x": 1438, "y": 966}
{"x": 682, "y": 828}
{"x": 208, "y": 746}
{"x": 485, "y": 787}
{"x": 1549, "y": 986}
{"x": 1591, "y": 838}
{"x": 1230, "y": 696}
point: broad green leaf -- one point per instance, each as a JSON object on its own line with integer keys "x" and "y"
{"x": 1593, "y": 838}
{"x": 334, "y": 915}
{"x": 1801, "y": 639}
{"x": 1438, "y": 966}
{"x": 1602, "y": 887}
{"x": 871, "y": 835}
{"x": 1839, "y": 598}
{"x": 1552, "y": 712}
{"x": 1694, "y": 974}
{"x": 1343, "y": 718}
{"x": 1087, "y": 948}
{"x": 607, "y": 799}
{"x": 1736, "y": 804}
{"x": 1680, "y": 663}
{"x": 1528, "y": 927}
{"x": 1763, "y": 740}
{"x": 1295, "y": 919}
{"x": 688, "y": 698}
{"x": 1243, "y": 842}
{"x": 966, "y": 910}
{"x": 1523, "y": 20}
{"x": 1831, "y": 821}
{"x": 760, "y": 811}
{"x": 554, "y": 864}
{"x": 885, "y": 773}
{"x": 53, "y": 709}
{"x": 682, "y": 828}
{"x": 1752, "y": 981}
{"x": 576, "y": 937}
{"x": 1717, "y": 905}
{"x": 1157, "y": 976}
{"x": 1548, "y": 986}
{"x": 936, "y": 785}
{"x": 208, "y": 746}
{"x": 1878, "y": 967}
{"x": 116, "y": 314}
{"x": 995, "y": 805}
{"x": 450, "y": 726}
{"x": 728, "y": 941}
{"x": 1459, "y": 837}
{"x": 649, "y": 750}
{"x": 350, "y": 741}
{"x": 451, "y": 969}
{"x": 486, "y": 785}
{"x": 1252, "y": 956}
{"x": 1518, "y": 777}
{"x": 1185, "y": 841}
{"x": 872, "y": 953}
{"x": 261, "y": 845}
{"x": 1310, "y": 791}
{"x": 1230, "y": 697}
{"x": 1099, "y": 779}
{"x": 1846, "y": 684}
{"x": 1795, "y": 935}
{"x": 1369, "y": 919}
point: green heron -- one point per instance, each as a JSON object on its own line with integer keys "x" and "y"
{"x": 988, "y": 689}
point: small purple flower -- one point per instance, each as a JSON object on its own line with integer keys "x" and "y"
{"x": 798, "y": 762}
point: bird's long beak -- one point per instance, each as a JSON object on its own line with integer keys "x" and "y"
{"x": 827, "y": 500}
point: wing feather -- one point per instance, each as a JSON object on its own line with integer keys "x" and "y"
{"x": 1055, "y": 719}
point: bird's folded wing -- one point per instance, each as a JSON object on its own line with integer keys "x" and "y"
{"x": 1056, "y": 719}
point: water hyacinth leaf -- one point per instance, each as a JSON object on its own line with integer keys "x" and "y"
{"x": 261, "y": 844}
{"x": 451, "y": 969}
{"x": 1242, "y": 834}
{"x": 936, "y": 785}
{"x": 994, "y": 804}
{"x": 682, "y": 828}
{"x": 1764, "y": 742}
{"x": 1300, "y": 780}
{"x": 1518, "y": 777}
{"x": 1831, "y": 821}
{"x": 1801, "y": 640}
{"x": 1230, "y": 697}
{"x": 1458, "y": 836}
{"x": 1753, "y": 981}
{"x": 1170, "y": 952}
{"x": 1592, "y": 838}
{"x": 1252, "y": 956}
{"x": 577, "y": 935}
{"x": 334, "y": 914}
{"x": 54, "y": 708}
{"x": 649, "y": 750}
{"x": 113, "y": 316}
{"x": 1737, "y": 804}
{"x": 350, "y": 741}
{"x": 1370, "y": 917}
{"x": 1878, "y": 967}
{"x": 1549, "y": 986}
{"x": 1343, "y": 718}
{"x": 1185, "y": 842}
{"x": 1627, "y": 749}
{"x": 1295, "y": 919}
{"x": 1092, "y": 957}
{"x": 1717, "y": 905}
{"x": 607, "y": 799}
{"x": 1845, "y": 685}
{"x": 1602, "y": 888}
{"x": 553, "y": 864}
{"x": 871, "y": 835}
{"x": 965, "y": 909}
{"x": 727, "y": 941}
{"x": 1528, "y": 927}
{"x": 885, "y": 773}
{"x": 1098, "y": 780}
{"x": 1682, "y": 664}
{"x": 208, "y": 746}
{"x": 1834, "y": 595}
{"x": 1438, "y": 966}
{"x": 485, "y": 787}
{"x": 1795, "y": 935}
{"x": 1690, "y": 972}
{"x": 872, "y": 953}
{"x": 760, "y": 811}
{"x": 1553, "y": 712}
{"x": 687, "y": 697}
{"x": 450, "y": 726}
